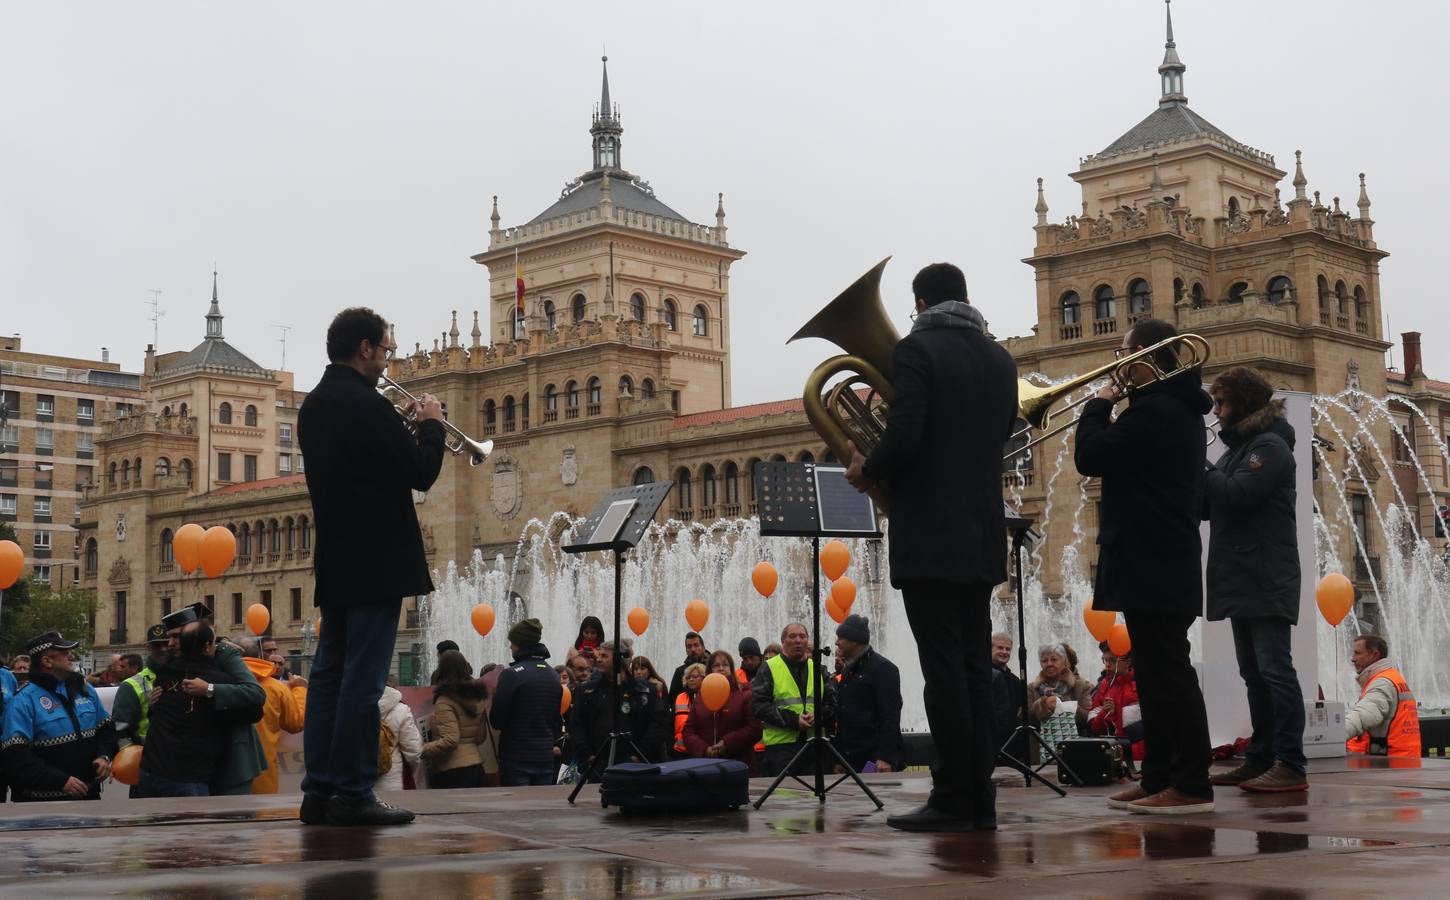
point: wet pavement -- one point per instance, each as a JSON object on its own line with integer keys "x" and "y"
{"x": 1360, "y": 829}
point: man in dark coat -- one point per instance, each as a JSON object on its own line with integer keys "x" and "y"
{"x": 940, "y": 462}
{"x": 1253, "y": 573}
{"x": 525, "y": 709}
{"x": 1151, "y": 462}
{"x": 695, "y": 652}
{"x": 868, "y": 701}
{"x": 591, "y": 718}
{"x": 1009, "y": 698}
{"x": 362, "y": 466}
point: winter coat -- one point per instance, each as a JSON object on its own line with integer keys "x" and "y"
{"x": 40, "y": 747}
{"x": 1253, "y": 543}
{"x": 762, "y": 698}
{"x": 284, "y": 710}
{"x": 1067, "y": 687}
{"x": 526, "y": 709}
{"x": 734, "y": 724}
{"x": 242, "y": 757}
{"x": 1372, "y": 712}
{"x": 642, "y": 714}
{"x": 1151, "y": 462}
{"x": 456, "y": 721}
{"x": 940, "y": 459}
{"x": 362, "y": 468}
{"x": 868, "y": 720}
{"x": 1123, "y": 691}
{"x": 407, "y": 741}
{"x": 1006, "y": 703}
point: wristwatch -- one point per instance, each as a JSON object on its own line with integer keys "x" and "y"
{"x": 210, "y": 690}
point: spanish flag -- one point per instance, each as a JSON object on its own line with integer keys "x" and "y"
{"x": 518, "y": 283}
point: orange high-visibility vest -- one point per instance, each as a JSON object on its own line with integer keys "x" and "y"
{"x": 1403, "y": 737}
{"x": 682, "y": 712}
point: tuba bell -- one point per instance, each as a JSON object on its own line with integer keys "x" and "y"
{"x": 854, "y": 408}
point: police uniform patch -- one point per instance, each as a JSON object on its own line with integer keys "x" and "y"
{"x": 1255, "y": 461}
{"x": 47, "y": 704}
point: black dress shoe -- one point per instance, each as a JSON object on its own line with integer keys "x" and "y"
{"x": 314, "y": 809}
{"x": 372, "y": 811}
{"x": 933, "y": 820}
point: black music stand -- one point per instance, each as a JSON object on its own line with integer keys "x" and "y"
{"x": 806, "y": 500}
{"x": 1022, "y": 533}
{"x": 617, "y": 524}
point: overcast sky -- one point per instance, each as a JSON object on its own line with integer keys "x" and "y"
{"x": 331, "y": 154}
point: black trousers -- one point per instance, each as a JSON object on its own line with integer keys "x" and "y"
{"x": 953, "y": 630}
{"x": 1175, "y": 724}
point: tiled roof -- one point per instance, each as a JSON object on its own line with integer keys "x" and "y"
{"x": 1432, "y": 384}
{"x": 259, "y": 485}
{"x": 1169, "y": 123}
{"x": 738, "y": 413}
{"x": 626, "y": 195}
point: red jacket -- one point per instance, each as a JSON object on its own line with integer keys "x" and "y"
{"x": 1123, "y": 691}
{"x": 735, "y": 724}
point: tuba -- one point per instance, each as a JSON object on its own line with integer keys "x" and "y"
{"x": 853, "y": 409}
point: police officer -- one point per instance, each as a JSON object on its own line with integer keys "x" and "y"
{"x": 131, "y": 709}
{"x": 57, "y": 739}
{"x": 8, "y": 687}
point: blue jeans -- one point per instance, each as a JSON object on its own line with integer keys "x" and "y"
{"x": 1276, "y": 704}
{"x": 513, "y": 775}
{"x": 340, "y": 735}
{"x": 152, "y": 785}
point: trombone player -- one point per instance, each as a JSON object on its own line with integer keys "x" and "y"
{"x": 940, "y": 461}
{"x": 363, "y": 463}
{"x": 1151, "y": 462}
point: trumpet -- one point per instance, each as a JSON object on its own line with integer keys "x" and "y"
{"x": 1035, "y": 404}
{"x": 454, "y": 439}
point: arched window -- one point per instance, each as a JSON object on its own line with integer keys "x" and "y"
{"x": 732, "y": 484}
{"x": 126, "y": 471}
{"x": 636, "y": 306}
{"x": 707, "y": 485}
{"x": 1103, "y": 303}
{"x": 166, "y": 411}
{"x": 1236, "y": 291}
{"x": 224, "y": 414}
{"x": 1233, "y": 207}
{"x": 244, "y": 540}
{"x": 682, "y": 488}
{"x": 249, "y": 416}
{"x": 138, "y": 471}
{"x": 1361, "y": 305}
{"x": 1179, "y": 289}
{"x": 806, "y": 456}
{"x": 596, "y": 391}
{"x": 571, "y": 394}
{"x": 183, "y": 468}
{"x": 672, "y": 315}
{"x": 647, "y": 389}
{"x": 274, "y": 537}
{"x": 626, "y": 386}
{"x": 289, "y": 530}
{"x": 111, "y": 475}
{"x": 93, "y": 556}
{"x": 1341, "y": 296}
{"x": 520, "y": 330}
{"x": 1071, "y": 308}
{"x": 1281, "y": 290}
{"x": 577, "y": 308}
{"x": 750, "y": 467}
{"x": 525, "y": 405}
{"x": 1197, "y": 296}
{"x": 490, "y": 412}
{"x": 1140, "y": 298}
{"x": 1323, "y": 285}
{"x": 304, "y": 537}
{"x": 702, "y": 321}
{"x": 183, "y": 411}
{"x": 163, "y": 467}
{"x": 644, "y": 475}
{"x": 509, "y": 413}
{"x": 549, "y": 314}
{"x": 777, "y": 457}
{"x": 551, "y": 399}
{"x": 166, "y": 557}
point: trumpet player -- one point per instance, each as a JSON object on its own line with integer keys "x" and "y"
{"x": 1151, "y": 462}
{"x": 363, "y": 463}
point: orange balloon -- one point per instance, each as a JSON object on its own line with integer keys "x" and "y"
{"x": 697, "y": 613}
{"x": 835, "y": 611}
{"x": 1099, "y": 622}
{"x": 1118, "y": 640}
{"x": 764, "y": 577}
{"x": 565, "y": 701}
{"x": 1335, "y": 596}
{"x": 218, "y": 549}
{"x": 843, "y": 593}
{"x": 186, "y": 546}
{"x": 482, "y": 618}
{"x": 12, "y": 563}
{"x": 835, "y": 559}
{"x": 126, "y": 767}
{"x": 258, "y": 618}
{"x": 715, "y": 690}
{"x": 638, "y": 620}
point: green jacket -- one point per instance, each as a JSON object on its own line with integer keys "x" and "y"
{"x": 243, "y": 759}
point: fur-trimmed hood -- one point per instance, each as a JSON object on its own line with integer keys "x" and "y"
{"x": 1267, "y": 418}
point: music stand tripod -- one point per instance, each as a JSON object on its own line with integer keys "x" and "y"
{"x": 801, "y": 500}
{"x": 616, "y": 525}
{"x": 1021, "y": 529}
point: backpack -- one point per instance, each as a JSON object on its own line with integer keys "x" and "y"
{"x": 387, "y": 741}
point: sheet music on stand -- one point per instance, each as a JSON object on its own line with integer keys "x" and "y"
{"x": 621, "y": 518}
{"x": 806, "y": 500}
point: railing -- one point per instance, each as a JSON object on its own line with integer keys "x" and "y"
{"x": 1104, "y": 326}
{"x": 551, "y": 415}
{"x": 1324, "y": 317}
{"x": 1071, "y": 331}
{"x": 1361, "y": 326}
{"x": 525, "y": 425}
{"x": 508, "y": 427}
{"x": 594, "y": 409}
{"x": 684, "y": 513}
{"x": 1341, "y": 321}
{"x": 489, "y": 430}
{"x": 707, "y": 514}
{"x": 731, "y": 510}
{"x": 571, "y": 412}
{"x": 1016, "y": 478}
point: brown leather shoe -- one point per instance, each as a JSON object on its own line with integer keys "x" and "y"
{"x": 1237, "y": 776}
{"x": 1282, "y": 778}
{"x": 1171, "y": 802}
{"x": 1122, "y": 798}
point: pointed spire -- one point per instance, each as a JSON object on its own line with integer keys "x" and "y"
{"x": 1300, "y": 182}
{"x": 1363, "y": 198}
{"x": 720, "y": 205}
{"x": 1157, "y": 186}
{"x": 1041, "y": 207}
{"x": 477, "y": 332}
{"x": 214, "y": 315}
{"x": 453, "y": 331}
{"x": 606, "y": 128}
{"x": 1337, "y": 210}
{"x": 494, "y": 217}
{"x": 605, "y": 109}
{"x": 1172, "y": 69}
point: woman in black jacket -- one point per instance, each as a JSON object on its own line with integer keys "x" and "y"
{"x": 1253, "y": 573}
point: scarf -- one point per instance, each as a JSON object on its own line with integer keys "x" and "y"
{"x": 950, "y": 314}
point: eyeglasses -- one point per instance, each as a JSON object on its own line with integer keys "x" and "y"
{"x": 388, "y": 350}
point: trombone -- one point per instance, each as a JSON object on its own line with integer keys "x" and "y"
{"x": 454, "y": 439}
{"x": 1034, "y": 403}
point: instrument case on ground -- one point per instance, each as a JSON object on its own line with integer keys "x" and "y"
{"x": 1095, "y": 761}
{"x": 685, "y": 785}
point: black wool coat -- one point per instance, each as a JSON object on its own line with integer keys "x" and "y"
{"x": 868, "y": 708}
{"x": 362, "y": 467}
{"x": 941, "y": 456}
{"x": 1253, "y": 547}
{"x": 1151, "y": 461}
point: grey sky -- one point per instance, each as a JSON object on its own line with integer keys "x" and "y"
{"x": 330, "y": 154}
